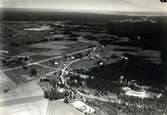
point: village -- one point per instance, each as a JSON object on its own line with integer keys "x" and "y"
{"x": 66, "y": 82}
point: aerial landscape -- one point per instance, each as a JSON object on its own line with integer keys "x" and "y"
{"x": 69, "y": 63}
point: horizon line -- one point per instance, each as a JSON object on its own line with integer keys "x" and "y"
{"x": 105, "y": 12}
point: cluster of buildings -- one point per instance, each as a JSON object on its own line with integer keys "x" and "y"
{"x": 130, "y": 83}
{"x": 15, "y": 60}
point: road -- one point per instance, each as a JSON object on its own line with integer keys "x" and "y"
{"x": 35, "y": 98}
{"x": 88, "y": 96}
{"x": 113, "y": 100}
{"x": 64, "y": 69}
{"x": 39, "y": 97}
{"x": 56, "y": 57}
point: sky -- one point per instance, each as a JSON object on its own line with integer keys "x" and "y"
{"x": 89, "y": 5}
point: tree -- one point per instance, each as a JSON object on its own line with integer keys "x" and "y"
{"x": 66, "y": 100}
{"x": 33, "y": 72}
{"x": 65, "y": 57}
{"x": 46, "y": 94}
{"x": 25, "y": 67}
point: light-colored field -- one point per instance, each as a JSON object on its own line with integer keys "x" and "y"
{"x": 60, "y": 108}
{"x": 38, "y": 107}
{"x": 5, "y": 82}
{"x": 26, "y": 90}
{"x": 24, "y": 99}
